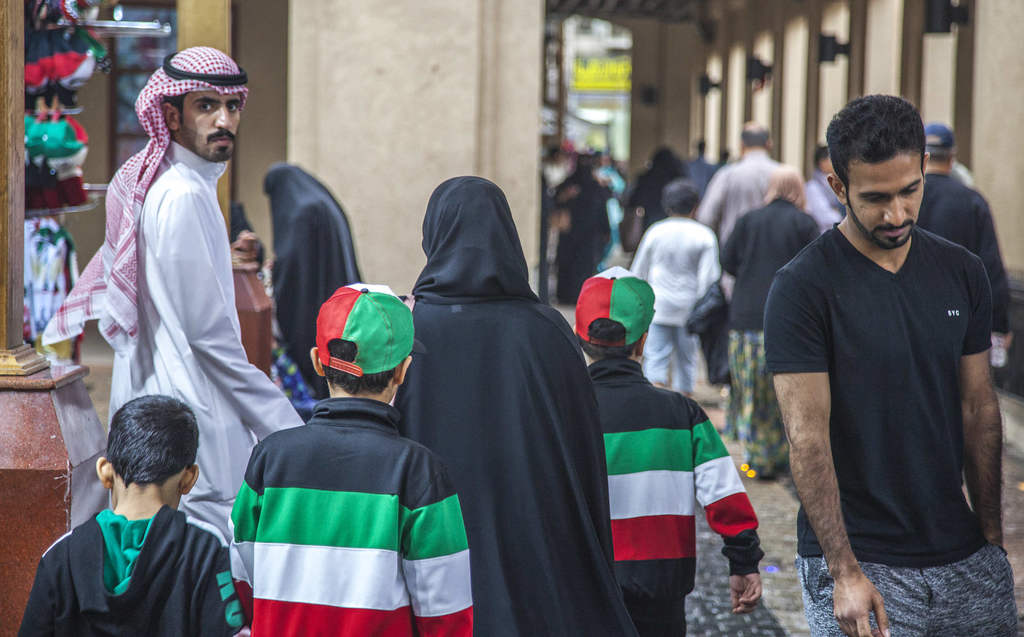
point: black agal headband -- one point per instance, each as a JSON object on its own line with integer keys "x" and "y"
{"x": 213, "y": 79}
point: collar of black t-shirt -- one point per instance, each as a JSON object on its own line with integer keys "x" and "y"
{"x": 863, "y": 261}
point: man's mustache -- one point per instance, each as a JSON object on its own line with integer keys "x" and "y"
{"x": 221, "y": 135}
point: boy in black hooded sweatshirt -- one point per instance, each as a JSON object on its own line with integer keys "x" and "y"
{"x": 143, "y": 568}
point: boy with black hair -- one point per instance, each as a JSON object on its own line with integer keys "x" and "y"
{"x": 343, "y": 527}
{"x": 663, "y": 455}
{"x": 143, "y": 568}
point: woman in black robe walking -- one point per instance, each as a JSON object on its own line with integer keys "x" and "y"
{"x": 313, "y": 257}
{"x": 503, "y": 396}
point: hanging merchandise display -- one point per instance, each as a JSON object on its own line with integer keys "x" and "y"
{"x": 61, "y": 54}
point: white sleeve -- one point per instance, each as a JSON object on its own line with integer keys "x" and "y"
{"x": 182, "y": 251}
{"x": 708, "y": 269}
{"x": 641, "y": 265}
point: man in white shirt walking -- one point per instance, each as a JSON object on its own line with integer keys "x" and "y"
{"x": 679, "y": 258}
{"x": 162, "y": 287}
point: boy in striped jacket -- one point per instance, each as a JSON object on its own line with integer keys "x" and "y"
{"x": 342, "y": 527}
{"x": 664, "y": 456}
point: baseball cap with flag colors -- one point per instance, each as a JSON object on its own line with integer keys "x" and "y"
{"x": 373, "y": 318}
{"x": 619, "y": 295}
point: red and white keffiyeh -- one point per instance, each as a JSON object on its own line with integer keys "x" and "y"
{"x": 107, "y": 289}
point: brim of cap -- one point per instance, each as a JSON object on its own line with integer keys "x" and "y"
{"x": 418, "y": 347}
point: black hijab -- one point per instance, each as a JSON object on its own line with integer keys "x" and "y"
{"x": 472, "y": 247}
{"x": 313, "y": 257}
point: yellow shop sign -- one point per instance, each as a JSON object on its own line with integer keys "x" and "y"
{"x": 609, "y": 75}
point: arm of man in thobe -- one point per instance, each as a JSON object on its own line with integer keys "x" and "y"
{"x": 805, "y": 402}
{"x": 710, "y": 211}
{"x": 983, "y": 444}
{"x": 184, "y": 248}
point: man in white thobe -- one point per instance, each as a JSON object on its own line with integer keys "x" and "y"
{"x": 162, "y": 285}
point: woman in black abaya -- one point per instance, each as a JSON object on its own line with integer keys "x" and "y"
{"x": 313, "y": 257}
{"x": 503, "y": 396}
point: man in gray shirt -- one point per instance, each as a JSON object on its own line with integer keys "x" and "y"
{"x": 739, "y": 188}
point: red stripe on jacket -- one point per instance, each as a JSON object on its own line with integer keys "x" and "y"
{"x": 654, "y": 537}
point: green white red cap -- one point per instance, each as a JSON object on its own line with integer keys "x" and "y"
{"x": 619, "y": 295}
{"x": 372, "y": 317}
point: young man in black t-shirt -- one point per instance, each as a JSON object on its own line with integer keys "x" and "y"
{"x": 877, "y": 334}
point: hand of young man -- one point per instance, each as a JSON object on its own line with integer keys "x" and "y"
{"x": 745, "y": 591}
{"x": 853, "y": 599}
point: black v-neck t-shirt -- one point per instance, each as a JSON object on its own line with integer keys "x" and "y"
{"x": 891, "y": 344}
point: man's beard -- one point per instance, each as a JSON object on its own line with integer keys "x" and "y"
{"x": 219, "y": 154}
{"x": 875, "y": 235}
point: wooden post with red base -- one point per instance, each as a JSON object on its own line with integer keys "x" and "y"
{"x": 49, "y": 433}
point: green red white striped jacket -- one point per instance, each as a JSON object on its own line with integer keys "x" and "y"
{"x": 664, "y": 457}
{"x": 343, "y": 527}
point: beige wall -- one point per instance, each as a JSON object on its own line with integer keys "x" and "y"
{"x": 87, "y": 228}
{"x": 406, "y": 96}
{"x": 998, "y": 94}
{"x": 261, "y": 42}
{"x": 885, "y": 28}
{"x": 658, "y": 49}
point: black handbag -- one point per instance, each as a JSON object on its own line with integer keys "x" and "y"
{"x": 709, "y": 320}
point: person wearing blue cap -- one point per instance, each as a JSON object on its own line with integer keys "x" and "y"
{"x": 956, "y": 212}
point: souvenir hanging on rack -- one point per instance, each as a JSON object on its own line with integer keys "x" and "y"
{"x": 51, "y": 269}
{"x": 60, "y": 55}
{"x": 55, "y": 149}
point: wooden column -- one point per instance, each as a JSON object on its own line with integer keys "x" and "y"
{"x": 963, "y": 86}
{"x": 912, "y": 56}
{"x": 778, "y": 67}
{"x": 857, "y": 38}
{"x": 813, "y": 102}
{"x": 16, "y": 358}
{"x": 208, "y": 23}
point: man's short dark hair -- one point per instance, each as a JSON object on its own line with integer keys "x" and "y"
{"x": 873, "y": 129}
{"x": 680, "y": 196}
{"x": 354, "y": 385}
{"x": 701, "y": 147}
{"x": 940, "y": 153}
{"x": 177, "y": 101}
{"x": 609, "y": 331}
{"x": 755, "y": 137}
{"x": 820, "y": 154}
{"x": 152, "y": 438}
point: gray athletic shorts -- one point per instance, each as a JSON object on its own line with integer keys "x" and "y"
{"x": 969, "y": 598}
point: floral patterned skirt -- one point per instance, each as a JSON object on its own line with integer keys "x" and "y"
{"x": 753, "y": 414}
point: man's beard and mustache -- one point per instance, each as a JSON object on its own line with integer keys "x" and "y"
{"x": 875, "y": 234}
{"x": 220, "y": 153}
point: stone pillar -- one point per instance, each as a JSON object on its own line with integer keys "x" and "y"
{"x": 812, "y": 88}
{"x": 780, "y": 15}
{"x": 794, "y": 98}
{"x": 49, "y": 434}
{"x": 912, "y": 50}
{"x": 724, "y": 44}
{"x": 963, "y": 90}
{"x": 208, "y": 23}
{"x": 858, "y": 48}
{"x": 410, "y": 95}
{"x": 884, "y": 30}
{"x": 998, "y": 92}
